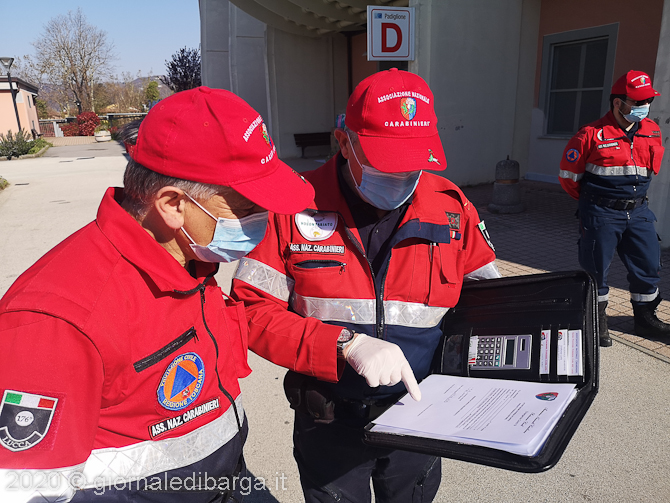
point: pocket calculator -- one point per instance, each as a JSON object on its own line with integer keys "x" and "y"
{"x": 499, "y": 352}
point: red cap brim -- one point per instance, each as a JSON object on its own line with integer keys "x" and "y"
{"x": 285, "y": 191}
{"x": 643, "y": 94}
{"x": 399, "y": 155}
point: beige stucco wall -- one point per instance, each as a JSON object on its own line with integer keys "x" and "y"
{"x": 25, "y": 106}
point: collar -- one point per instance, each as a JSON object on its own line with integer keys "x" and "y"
{"x": 611, "y": 129}
{"x": 140, "y": 249}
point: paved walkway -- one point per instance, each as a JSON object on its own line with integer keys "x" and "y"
{"x": 63, "y": 141}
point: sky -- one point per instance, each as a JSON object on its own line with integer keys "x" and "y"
{"x": 145, "y": 33}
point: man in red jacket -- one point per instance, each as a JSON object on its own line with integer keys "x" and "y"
{"x": 120, "y": 380}
{"x": 349, "y": 294}
{"x": 608, "y": 166}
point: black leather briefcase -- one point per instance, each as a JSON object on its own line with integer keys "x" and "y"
{"x": 504, "y": 308}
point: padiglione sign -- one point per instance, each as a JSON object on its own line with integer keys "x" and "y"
{"x": 390, "y": 33}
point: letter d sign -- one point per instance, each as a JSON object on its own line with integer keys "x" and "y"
{"x": 391, "y": 27}
{"x": 390, "y": 33}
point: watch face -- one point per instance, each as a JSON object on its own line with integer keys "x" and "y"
{"x": 345, "y": 335}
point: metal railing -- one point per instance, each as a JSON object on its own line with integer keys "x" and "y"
{"x": 51, "y": 128}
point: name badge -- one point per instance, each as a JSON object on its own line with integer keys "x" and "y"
{"x": 316, "y": 226}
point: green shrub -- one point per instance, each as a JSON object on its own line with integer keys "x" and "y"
{"x": 38, "y": 145}
{"x": 14, "y": 145}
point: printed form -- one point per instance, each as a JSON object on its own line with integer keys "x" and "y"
{"x": 515, "y": 416}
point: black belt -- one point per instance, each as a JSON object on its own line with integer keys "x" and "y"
{"x": 616, "y": 204}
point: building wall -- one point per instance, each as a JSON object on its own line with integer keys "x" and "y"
{"x": 639, "y": 29}
{"x": 297, "y": 83}
{"x": 26, "y": 109}
{"x": 25, "y": 102}
{"x": 469, "y": 53}
{"x": 7, "y": 115}
{"x": 636, "y": 49}
{"x": 360, "y": 66}
{"x": 308, "y": 83}
{"x": 659, "y": 192}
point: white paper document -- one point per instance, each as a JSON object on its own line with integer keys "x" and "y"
{"x": 562, "y": 353}
{"x": 514, "y": 416}
{"x": 545, "y": 351}
{"x": 575, "y": 366}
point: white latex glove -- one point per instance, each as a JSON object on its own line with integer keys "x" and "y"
{"x": 381, "y": 362}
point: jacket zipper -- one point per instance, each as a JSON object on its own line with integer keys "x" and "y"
{"x": 379, "y": 325}
{"x": 201, "y": 288}
{"x": 168, "y": 349}
{"x": 341, "y": 265}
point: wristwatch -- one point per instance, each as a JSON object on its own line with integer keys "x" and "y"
{"x": 344, "y": 339}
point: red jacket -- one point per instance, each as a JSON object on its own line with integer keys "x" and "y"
{"x": 106, "y": 334}
{"x": 601, "y": 159}
{"x": 309, "y": 278}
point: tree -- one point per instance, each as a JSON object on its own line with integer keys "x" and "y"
{"x": 183, "y": 70}
{"x": 42, "y": 111}
{"x": 151, "y": 94}
{"x": 72, "y": 55}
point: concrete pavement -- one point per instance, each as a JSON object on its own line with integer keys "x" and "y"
{"x": 621, "y": 451}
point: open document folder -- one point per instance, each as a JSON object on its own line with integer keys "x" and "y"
{"x": 513, "y": 416}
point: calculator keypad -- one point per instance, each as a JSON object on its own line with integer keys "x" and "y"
{"x": 489, "y": 352}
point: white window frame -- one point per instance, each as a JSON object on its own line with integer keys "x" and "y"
{"x": 609, "y": 32}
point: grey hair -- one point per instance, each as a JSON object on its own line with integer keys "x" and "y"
{"x": 142, "y": 184}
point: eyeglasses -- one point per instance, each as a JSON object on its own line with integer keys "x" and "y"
{"x": 640, "y": 102}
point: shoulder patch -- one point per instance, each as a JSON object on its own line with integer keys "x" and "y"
{"x": 485, "y": 233}
{"x": 572, "y": 155}
{"x": 25, "y": 419}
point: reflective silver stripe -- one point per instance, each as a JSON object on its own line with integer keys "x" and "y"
{"x": 265, "y": 278}
{"x": 604, "y": 298}
{"x": 359, "y": 311}
{"x": 616, "y": 170}
{"x": 48, "y": 485}
{"x": 134, "y": 462}
{"x": 124, "y": 465}
{"x": 362, "y": 311}
{"x": 642, "y": 297}
{"x": 564, "y": 173}
{"x": 489, "y": 271}
{"x": 411, "y": 314}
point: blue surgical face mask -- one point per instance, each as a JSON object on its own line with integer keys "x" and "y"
{"x": 636, "y": 113}
{"x": 233, "y": 238}
{"x": 386, "y": 191}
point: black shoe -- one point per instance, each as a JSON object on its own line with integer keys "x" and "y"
{"x": 647, "y": 323}
{"x": 603, "y": 332}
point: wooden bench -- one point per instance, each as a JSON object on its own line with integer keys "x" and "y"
{"x": 303, "y": 140}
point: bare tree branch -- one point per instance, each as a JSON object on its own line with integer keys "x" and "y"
{"x": 73, "y": 55}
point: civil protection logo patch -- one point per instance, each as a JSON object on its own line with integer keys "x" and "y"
{"x": 571, "y": 155}
{"x": 182, "y": 382}
{"x": 24, "y": 419}
{"x": 408, "y": 108}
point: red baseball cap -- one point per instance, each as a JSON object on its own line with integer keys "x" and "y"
{"x": 213, "y": 136}
{"x": 393, "y": 114}
{"x": 636, "y": 85}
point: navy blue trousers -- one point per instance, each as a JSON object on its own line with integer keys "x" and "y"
{"x": 336, "y": 466}
{"x": 632, "y": 235}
